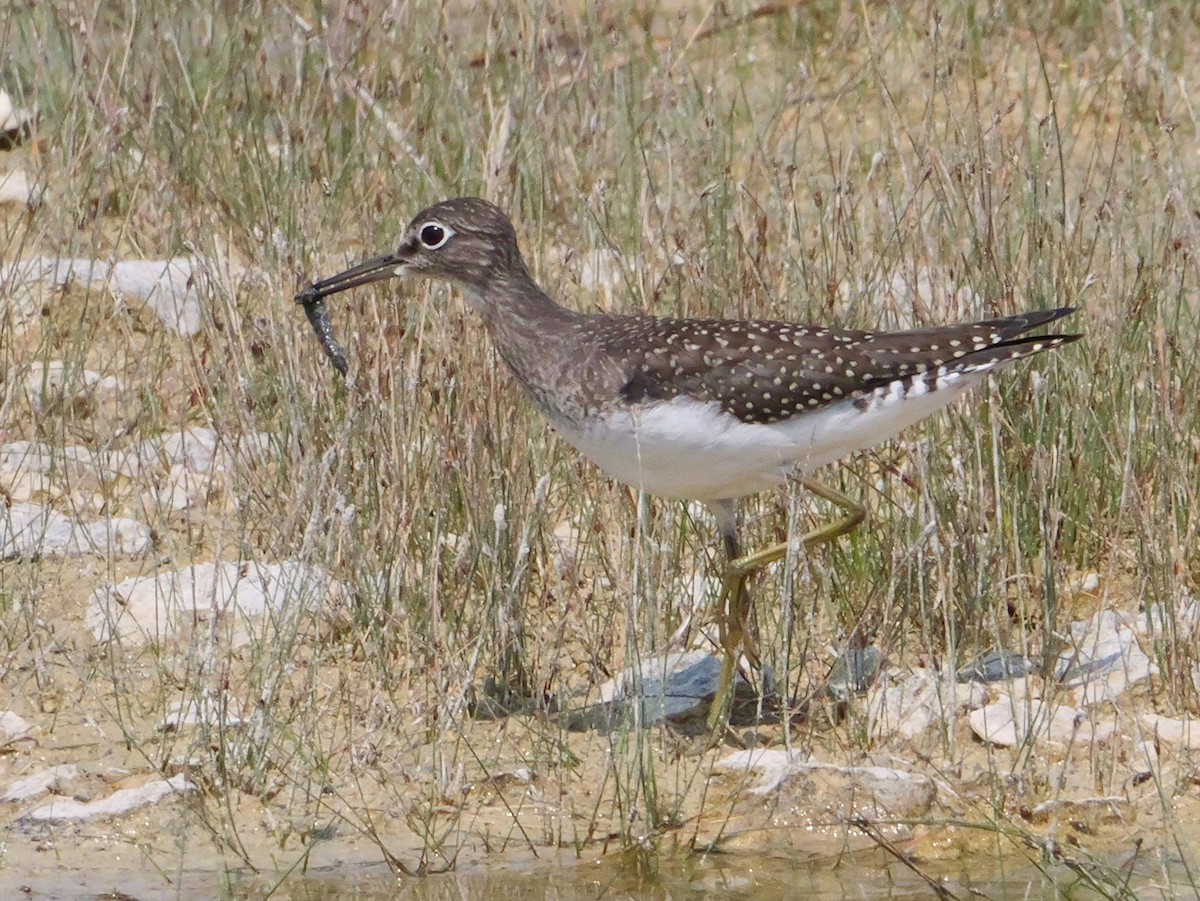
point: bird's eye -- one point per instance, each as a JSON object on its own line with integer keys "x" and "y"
{"x": 434, "y": 235}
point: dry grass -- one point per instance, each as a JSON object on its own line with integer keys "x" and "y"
{"x": 867, "y": 165}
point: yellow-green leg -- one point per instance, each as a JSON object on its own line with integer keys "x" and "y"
{"x": 734, "y": 606}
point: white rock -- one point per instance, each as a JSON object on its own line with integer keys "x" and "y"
{"x": 519, "y": 776}
{"x": 170, "y": 288}
{"x": 1181, "y": 733}
{"x": 119, "y": 802}
{"x": 37, "y": 457}
{"x": 211, "y": 712}
{"x": 1010, "y": 722}
{"x": 919, "y": 700}
{"x": 1162, "y": 619}
{"x": 116, "y": 535}
{"x": 15, "y": 187}
{"x": 12, "y": 727}
{"x": 25, "y": 486}
{"x": 153, "y": 609}
{"x": 1144, "y": 756}
{"x": 40, "y": 782}
{"x": 892, "y": 790}
{"x": 1105, "y": 659}
{"x": 773, "y": 766}
{"x": 27, "y": 468}
{"x": 57, "y": 273}
{"x": 1003, "y": 723}
{"x": 24, "y": 301}
{"x": 196, "y": 449}
{"x": 57, "y": 379}
{"x": 32, "y": 530}
{"x": 183, "y": 488}
{"x": 881, "y": 788}
{"x": 12, "y": 118}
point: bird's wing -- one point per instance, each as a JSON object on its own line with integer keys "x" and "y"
{"x": 764, "y": 371}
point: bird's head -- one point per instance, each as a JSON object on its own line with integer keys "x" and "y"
{"x": 466, "y": 241}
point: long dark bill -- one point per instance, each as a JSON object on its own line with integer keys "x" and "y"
{"x": 313, "y": 300}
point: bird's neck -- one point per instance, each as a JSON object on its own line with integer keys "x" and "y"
{"x": 514, "y": 308}
{"x": 529, "y": 330}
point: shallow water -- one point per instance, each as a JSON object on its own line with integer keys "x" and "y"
{"x": 861, "y": 876}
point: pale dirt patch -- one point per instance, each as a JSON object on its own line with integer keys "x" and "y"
{"x": 385, "y": 789}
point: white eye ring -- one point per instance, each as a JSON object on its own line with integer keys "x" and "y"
{"x": 433, "y": 235}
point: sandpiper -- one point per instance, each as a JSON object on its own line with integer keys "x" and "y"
{"x": 702, "y": 409}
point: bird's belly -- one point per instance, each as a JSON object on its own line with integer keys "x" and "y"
{"x": 684, "y": 448}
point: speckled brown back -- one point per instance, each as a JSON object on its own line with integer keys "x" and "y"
{"x": 766, "y": 371}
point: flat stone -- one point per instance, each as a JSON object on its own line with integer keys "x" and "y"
{"x": 921, "y": 699}
{"x": 772, "y": 765}
{"x": 1105, "y": 659}
{"x": 146, "y": 609}
{"x": 1011, "y": 721}
{"x": 31, "y": 530}
{"x": 808, "y": 809}
{"x": 34, "y": 456}
{"x": 40, "y": 783}
{"x": 15, "y": 187}
{"x": 997, "y": 666}
{"x": 670, "y": 686}
{"x": 195, "y": 449}
{"x": 1160, "y": 620}
{"x": 870, "y": 790}
{"x": 16, "y": 124}
{"x": 567, "y": 543}
{"x": 183, "y": 488}
{"x": 1179, "y": 733}
{"x": 221, "y": 712}
{"x": 13, "y": 727}
{"x": 171, "y": 288}
{"x": 677, "y": 688}
{"x": 56, "y": 379}
{"x": 853, "y": 672}
{"x": 29, "y": 468}
{"x": 120, "y": 802}
{"x": 1143, "y": 758}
